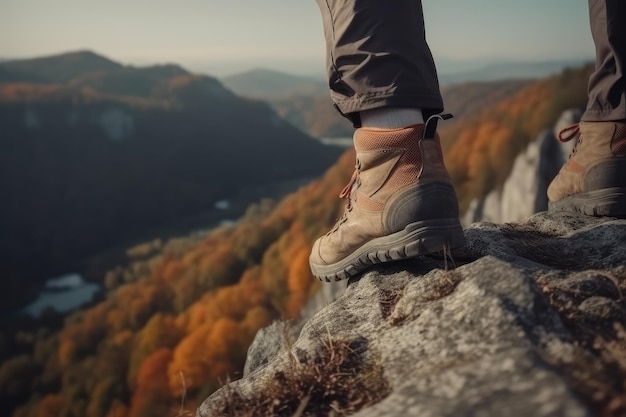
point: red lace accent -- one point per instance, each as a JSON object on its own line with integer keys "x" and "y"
{"x": 346, "y": 190}
{"x": 571, "y": 131}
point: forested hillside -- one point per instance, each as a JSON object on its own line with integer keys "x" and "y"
{"x": 94, "y": 154}
{"x": 183, "y": 317}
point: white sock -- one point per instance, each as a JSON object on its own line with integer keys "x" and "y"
{"x": 391, "y": 117}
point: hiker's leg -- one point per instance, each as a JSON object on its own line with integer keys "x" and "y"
{"x": 400, "y": 199}
{"x": 377, "y": 56}
{"x": 607, "y": 85}
{"x": 593, "y": 180}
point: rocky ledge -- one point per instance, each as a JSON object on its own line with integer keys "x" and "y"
{"x": 529, "y": 319}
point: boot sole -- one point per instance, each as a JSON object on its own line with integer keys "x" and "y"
{"x": 609, "y": 202}
{"x": 419, "y": 238}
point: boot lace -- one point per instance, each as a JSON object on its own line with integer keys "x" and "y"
{"x": 347, "y": 192}
{"x": 569, "y": 133}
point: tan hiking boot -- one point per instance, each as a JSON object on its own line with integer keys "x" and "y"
{"x": 401, "y": 204}
{"x": 593, "y": 180}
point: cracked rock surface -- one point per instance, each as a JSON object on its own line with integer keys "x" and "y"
{"x": 531, "y": 322}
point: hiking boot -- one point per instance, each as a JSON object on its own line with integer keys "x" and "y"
{"x": 401, "y": 203}
{"x": 593, "y": 180}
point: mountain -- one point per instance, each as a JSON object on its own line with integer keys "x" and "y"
{"x": 146, "y": 82}
{"x": 60, "y": 68}
{"x": 302, "y": 101}
{"x": 272, "y": 85}
{"x": 317, "y": 116}
{"x": 313, "y": 114}
{"x": 95, "y": 153}
{"x": 501, "y": 70}
{"x": 8, "y": 75}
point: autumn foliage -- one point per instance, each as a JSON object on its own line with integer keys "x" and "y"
{"x": 177, "y": 324}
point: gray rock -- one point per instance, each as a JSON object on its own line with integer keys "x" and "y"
{"x": 269, "y": 340}
{"x": 524, "y": 191}
{"x": 329, "y": 292}
{"x": 267, "y": 344}
{"x": 479, "y": 340}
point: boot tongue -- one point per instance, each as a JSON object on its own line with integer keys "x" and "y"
{"x": 379, "y": 152}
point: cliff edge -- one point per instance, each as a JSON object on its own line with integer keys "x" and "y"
{"x": 529, "y": 319}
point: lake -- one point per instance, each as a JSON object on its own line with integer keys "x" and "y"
{"x": 64, "y": 294}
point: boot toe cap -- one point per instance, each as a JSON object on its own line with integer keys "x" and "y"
{"x": 316, "y": 256}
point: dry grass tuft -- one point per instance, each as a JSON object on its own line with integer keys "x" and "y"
{"x": 388, "y": 300}
{"x": 336, "y": 382}
{"x": 182, "y": 412}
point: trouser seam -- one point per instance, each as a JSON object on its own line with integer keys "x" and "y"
{"x": 332, "y": 25}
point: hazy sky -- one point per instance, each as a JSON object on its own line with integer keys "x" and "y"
{"x": 221, "y": 36}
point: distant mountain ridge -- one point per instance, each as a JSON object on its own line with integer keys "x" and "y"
{"x": 60, "y": 68}
{"x": 505, "y": 70}
{"x": 271, "y": 85}
{"x": 87, "y": 70}
{"x": 94, "y": 152}
{"x": 305, "y": 101}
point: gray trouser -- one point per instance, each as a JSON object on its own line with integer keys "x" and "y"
{"x": 377, "y": 56}
{"x": 607, "y": 85}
